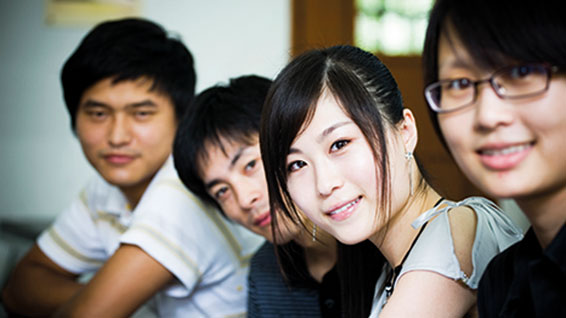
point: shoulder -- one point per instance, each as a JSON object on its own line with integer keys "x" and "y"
{"x": 264, "y": 266}
{"x": 501, "y": 267}
{"x": 99, "y": 195}
{"x": 265, "y": 254}
{"x": 463, "y": 222}
{"x": 166, "y": 189}
{"x": 496, "y": 281}
{"x": 462, "y": 238}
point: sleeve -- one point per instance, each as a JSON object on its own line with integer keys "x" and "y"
{"x": 434, "y": 251}
{"x": 177, "y": 230}
{"x": 72, "y": 241}
{"x": 495, "y": 233}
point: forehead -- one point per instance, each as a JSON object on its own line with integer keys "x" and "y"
{"x": 452, "y": 53}
{"x": 326, "y": 110}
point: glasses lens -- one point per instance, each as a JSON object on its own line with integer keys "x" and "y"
{"x": 450, "y": 94}
{"x": 521, "y": 81}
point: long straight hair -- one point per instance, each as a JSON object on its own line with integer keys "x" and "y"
{"x": 368, "y": 94}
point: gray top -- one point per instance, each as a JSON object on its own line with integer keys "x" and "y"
{"x": 434, "y": 248}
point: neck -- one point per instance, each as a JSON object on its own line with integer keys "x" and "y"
{"x": 395, "y": 238}
{"x": 546, "y": 213}
{"x": 134, "y": 193}
{"x": 320, "y": 255}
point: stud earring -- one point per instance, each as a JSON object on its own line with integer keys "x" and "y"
{"x": 314, "y": 232}
{"x": 409, "y": 157}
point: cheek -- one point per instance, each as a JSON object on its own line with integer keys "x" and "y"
{"x": 90, "y": 136}
{"x": 232, "y": 212}
{"x": 157, "y": 135}
{"x": 302, "y": 193}
{"x": 360, "y": 168}
{"x": 456, "y": 130}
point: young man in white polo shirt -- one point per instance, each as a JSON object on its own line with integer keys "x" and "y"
{"x": 135, "y": 224}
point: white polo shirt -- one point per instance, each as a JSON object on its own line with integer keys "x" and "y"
{"x": 208, "y": 255}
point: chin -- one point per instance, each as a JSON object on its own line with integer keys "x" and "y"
{"x": 350, "y": 239}
{"x": 502, "y": 190}
{"x": 124, "y": 181}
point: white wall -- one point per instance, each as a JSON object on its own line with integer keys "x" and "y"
{"x": 41, "y": 165}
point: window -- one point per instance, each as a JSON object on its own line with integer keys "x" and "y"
{"x": 391, "y": 27}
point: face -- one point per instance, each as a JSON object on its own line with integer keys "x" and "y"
{"x": 236, "y": 180}
{"x": 126, "y": 131}
{"x": 332, "y": 175}
{"x": 508, "y": 148}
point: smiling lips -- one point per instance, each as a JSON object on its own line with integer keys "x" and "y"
{"x": 263, "y": 220}
{"x": 344, "y": 211}
{"x": 504, "y": 157}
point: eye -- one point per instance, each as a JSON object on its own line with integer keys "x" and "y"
{"x": 142, "y": 114}
{"x": 296, "y": 165}
{"x": 520, "y": 71}
{"x": 250, "y": 165}
{"x": 97, "y": 114}
{"x": 458, "y": 84}
{"x": 221, "y": 193}
{"x": 337, "y": 145}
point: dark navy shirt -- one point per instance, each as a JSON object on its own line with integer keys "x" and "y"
{"x": 270, "y": 295}
{"x": 525, "y": 280}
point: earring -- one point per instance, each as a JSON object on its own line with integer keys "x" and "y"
{"x": 409, "y": 157}
{"x": 314, "y": 232}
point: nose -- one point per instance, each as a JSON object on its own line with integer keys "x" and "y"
{"x": 328, "y": 178}
{"x": 249, "y": 193}
{"x": 492, "y": 111}
{"x": 119, "y": 133}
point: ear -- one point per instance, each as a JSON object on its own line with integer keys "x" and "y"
{"x": 408, "y": 129}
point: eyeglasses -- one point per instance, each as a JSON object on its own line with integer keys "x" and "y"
{"x": 511, "y": 82}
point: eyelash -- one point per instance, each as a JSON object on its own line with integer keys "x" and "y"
{"x": 290, "y": 166}
{"x": 218, "y": 194}
{"x": 250, "y": 165}
{"x": 343, "y": 143}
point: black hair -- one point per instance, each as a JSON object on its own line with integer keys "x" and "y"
{"x": 129, "y": 49}
{"x": 231, "y": 112}
{"x": 496, "y": 34}
{"x": 368, "y": 93}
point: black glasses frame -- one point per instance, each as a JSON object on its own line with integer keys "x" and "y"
{"x": 428, "y": 91}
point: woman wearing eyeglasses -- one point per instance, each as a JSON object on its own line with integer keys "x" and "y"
{"x": 496, "y": 88}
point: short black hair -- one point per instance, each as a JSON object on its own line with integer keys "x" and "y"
{"x": 231, "y": 112}
{"x": 129, "y": 49}
{"x": 496, "y": 34}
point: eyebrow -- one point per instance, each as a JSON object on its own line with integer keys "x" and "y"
{"x": 323, "y": 135}
{"x": 235, "y": 159}
{"x": 454, "y": 63}
{"x": 95, "y": 103}
{"x": 330, "y": 129}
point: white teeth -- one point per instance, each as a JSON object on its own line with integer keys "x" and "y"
{"x": 505, "y": 151}
{"x": 344, "y": 208}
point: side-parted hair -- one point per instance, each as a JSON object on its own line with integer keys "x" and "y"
{"x": 496, "y": 34}
{"x": 231, "y": 112}
{"x": 367, "y": 92}
{"x": 363, "y": 87}
{"x": 129, "y": 49}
